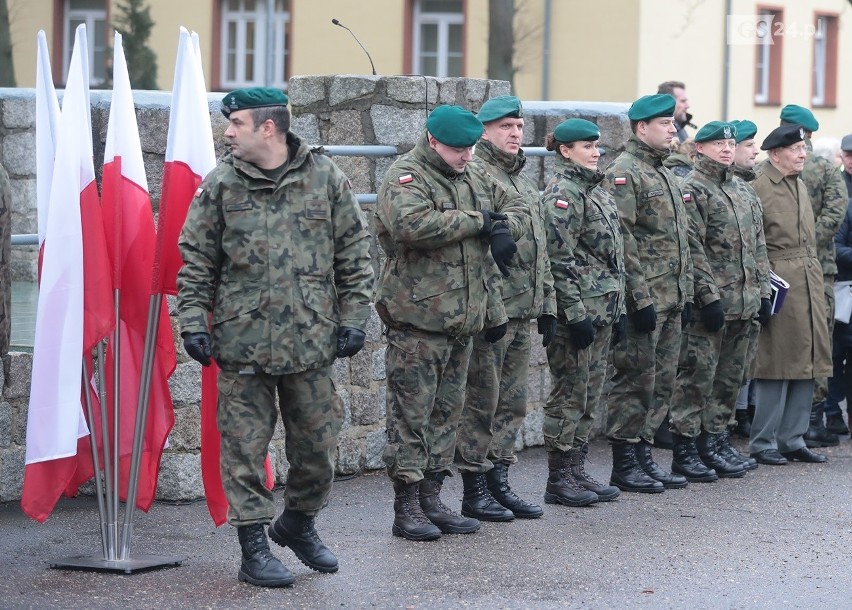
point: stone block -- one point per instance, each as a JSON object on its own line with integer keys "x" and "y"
{"x": 185, "y": 383}
{"x": 379, "y": 372}
{"x": 362, "y": 368}
{"x": 180, "y": 477}
{"x": 365, "y": 407}
{"x": 396, "y": 126}
{"x": 5, "y": 424}
{"x": 24, "y": 194}
{"x": 24, "y": 221}
{"x": 357, "y": 169}
{"x": 20, "y": 371}
{"x": 19, "y": 413}
{"x": 449, "y": 91}
{"x": 615, "y": 131}
{"x": 2, "y": 379}
{"x": 153, "y": 122}
{"x": 348, "y": 87}
{"x": 374, "y": 327}
{"x": 383, "y": 402}
{"x": 375, "y": 442}
{"x": 474, "y": 92}
{"x": 345, "y": 128}
{"x": 499, "y": 87}
{"x": 11, "y": 473}
{"x": 382, "y": 165}
{"x": 351, "y": 452}
{"x": 340, "y": 372}
{"x": 154, "y": 173}
{"x": 19, "y": 156}
{"x": 19, "y": 111}
{"x": 307, "y": 128}
{"x": 532, "y": 428}
{"x": 412, "y": 89}
{"x": 186, "y": 433}
{"x": 24, "y": 265}
{"x": 347, "y": 408}
{"x": 306, "y": 90}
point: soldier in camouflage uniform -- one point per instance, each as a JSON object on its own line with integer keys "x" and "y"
{"x": 658, "y": 294}
{"x": 731, "y": 289}
{"x": 496, "y": 397}
{"x": 434, "y": 219}
{"x": 276, "y": 248}
{"x": 5, "y": 269}
{"x": 587, "y": 253}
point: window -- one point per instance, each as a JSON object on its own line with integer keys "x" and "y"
{"x": 93, "y": 14}
{"x": 254, "y": 47}
{"x": 437, "y": 41}
{"x": 769, "y": 32}
{"x": 825, "y": 61}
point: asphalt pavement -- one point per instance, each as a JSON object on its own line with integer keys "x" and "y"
{"x": 778, "y": 538}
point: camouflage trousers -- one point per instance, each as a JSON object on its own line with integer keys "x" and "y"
{"x": 426, "y": 377}
{"x": 645, "y": 366}
{"x": 821, "y": 383}
{"x": 751, "y": 354}
{"x": 576, "y": 383}
{"x": 710, "y": 375}
{"x": 312, "y": 414}
{"x": 496, "y": 400}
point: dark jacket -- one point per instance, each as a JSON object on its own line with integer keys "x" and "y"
{"x": 843, "y": 246}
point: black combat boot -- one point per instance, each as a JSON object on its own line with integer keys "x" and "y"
{"x": 817, "y": 435}
{"x": 438, "y": 513}
{"x": 663, "y": 438}
{"x": 627, "y": 474}
{"x": 477, "y": 501}
{"x": 834, "y": 424}
{"x": 743, "y": 425}
{"x": 670, "y": 480}
{"x": 706, "y": 445}
{"x": 685, "y": 461}
{"x": 498, "y": 484}
{"x": 578, "y": 459}
{"x": 726, "y": 449}
{"x": 409, "y": 522}
{"x": 296, "y": 530}
{"x": 561, "y": 487}
{"x": 259, "y": 566}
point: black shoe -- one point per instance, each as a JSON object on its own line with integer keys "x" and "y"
{"x": 804, "y": 455}
{"x": 685, "y": 461}
{"x": 770, "y": 457}
{"x": 259, "y": 566}
{"x": 409, "y": 522}
{"x": 498, "y": 484}
{"x": 670, "y": 480}
{"x": 578, "y": 459}
{"x": 477, "y": 501}
{"x": 834, "y": 424}
{"x": 561, "y": 486}
{"x": 627, "y": 474}
{"x": 439, "y": 513}
{"x": 707, "y": 451}
{"x": 296, "y": 530}
{"x": 817, "y": 435}
{"x": 743, "y": 425}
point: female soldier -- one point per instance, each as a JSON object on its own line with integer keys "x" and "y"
{"x": 587, "y": 261}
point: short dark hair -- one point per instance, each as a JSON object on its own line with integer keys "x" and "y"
{"x": 669, "y": 86}
{"x": 279, "y": 115}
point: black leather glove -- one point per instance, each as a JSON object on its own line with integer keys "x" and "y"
{"x": 488, "y": 218}
{"x": 546, "y": 328}
{"x": 582, "y": 333}
{"x": 349, "y": 341}
{"x": 503, "y": 247}
{"x": 765, "y": 313}
{"x": 197, "y": 345}
{"x": 713, "y": 316}
{"x": 645, "y": 319}
{"x": 495, "y": 333}
{"x": 619, "y": 329}
{"x": 686, "y": 314}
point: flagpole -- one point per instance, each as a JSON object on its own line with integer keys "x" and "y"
{"x": 99, "y": 490}
{"x": 110, "y": 491}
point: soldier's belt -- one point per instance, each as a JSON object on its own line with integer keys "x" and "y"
{"x": 788, "y": 253}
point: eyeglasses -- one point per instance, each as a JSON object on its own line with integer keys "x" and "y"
{"x": 797, "y": 149}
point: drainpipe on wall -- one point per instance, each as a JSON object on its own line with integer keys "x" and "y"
{"x": 726, "y": 64}
{"x": 545, "y": 52}
{"x": 269, "y": 63}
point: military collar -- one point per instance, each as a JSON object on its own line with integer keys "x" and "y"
{"x": 511, "y": 164}
{"x": 715, "y": 170}
{"x": 746, "y": 174}
{"x": 639, "y": 149}
{"x": 296, "y": 155}
{"x": 583, "y": 176}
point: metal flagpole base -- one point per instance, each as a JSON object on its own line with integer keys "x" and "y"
{"x": 139, "y": 563}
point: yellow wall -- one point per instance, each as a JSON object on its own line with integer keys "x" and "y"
{"x": 194, "y": 15}
{"x": 26, "y": 18}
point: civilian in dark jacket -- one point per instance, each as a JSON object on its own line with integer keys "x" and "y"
{"x": 840, "y": 384}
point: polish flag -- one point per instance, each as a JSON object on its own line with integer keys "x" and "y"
{"x": 131, "y": 239}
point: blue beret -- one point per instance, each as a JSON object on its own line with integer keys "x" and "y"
{"x": 786, "y": 135}
{"x": 746, "y": 130}
{"x": 454, "y": 126}
{"x": 500, "y": 107}
{"x": 797, "y": 114}
{"x": 650, "y": 107}
{"x": 573, "y": 130}
{"x": 716, "y": 130}
{"x": 253, "y": 97}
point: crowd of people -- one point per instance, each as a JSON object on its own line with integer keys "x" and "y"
{"x": 653, "y": 284}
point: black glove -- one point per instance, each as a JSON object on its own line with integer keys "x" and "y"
{"x": 713, "y": 316}
{"x": 765, "y": 313}
{"x": 686, "y": 314}
{"x": 645, "y": 319}
{"x": 197, "y": 345}
{"x": 495, "y": 333}
{"x": 349, "y": 341}
{"x": 488, "y": 218}
{"x": 582, "y": 333}
{"x": 546, "y": 328}
{"x": 503, "y": 247}
{"x": 619, "y": 329}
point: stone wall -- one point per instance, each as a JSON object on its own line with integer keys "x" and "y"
{"x": 327, "y": 110}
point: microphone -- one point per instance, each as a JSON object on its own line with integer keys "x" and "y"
{"x": 336, "y": 22}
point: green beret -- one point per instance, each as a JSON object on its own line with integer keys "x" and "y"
{"x": 716, "y": 130}
{"x": 573, "y": 130}
{"x": 253, "y": 97}
{"x": 650, "y": 107}
{"x": 786, "y": 135}
{"x": 796, "y": 114}
{"x": 746, "y": 130}
{"x": 454, "y": 126}
{"x": 500, "y": 107}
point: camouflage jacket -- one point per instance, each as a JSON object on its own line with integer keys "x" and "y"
{"x": 679, "y": 163}
{"x": 528, "y": 291}
{"x": 439, "y": 276}
{"x": 726, "y": 240}
{"x": 654, "y": 227}
{"x": 585, "y": 245}
{"x": 279, "y": 264}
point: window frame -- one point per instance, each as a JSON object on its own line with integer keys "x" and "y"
{"x": 768, "y": 58}
{"x": 94, "y": 19}
{"x": 443, "y": 20}
{"x": 824, "y": 82}
{"x": 281, "y": 50}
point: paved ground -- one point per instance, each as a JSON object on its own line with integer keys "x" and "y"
{"x": 779, "y": 538}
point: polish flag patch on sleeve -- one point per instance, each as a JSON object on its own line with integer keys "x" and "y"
{"x": 561, "y": 204}
{"x": 687, "y": 197}
{"x": 198, "y": 191}
{"x": 619, "y": 180}
{"x": 406, "y": 178}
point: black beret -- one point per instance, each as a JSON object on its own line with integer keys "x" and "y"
{"x": 785, "y": 135}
